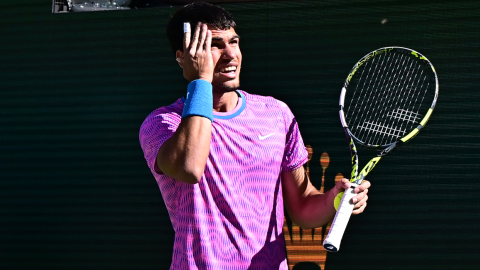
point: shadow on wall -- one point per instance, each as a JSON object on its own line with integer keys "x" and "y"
{"x": 304, "y": 246}
{"x": 306, "y": 266}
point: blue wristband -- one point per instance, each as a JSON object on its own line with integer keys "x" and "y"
{"x": 199, "y": 100}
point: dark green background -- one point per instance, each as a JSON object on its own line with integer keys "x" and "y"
{"x": 75, "y": 191}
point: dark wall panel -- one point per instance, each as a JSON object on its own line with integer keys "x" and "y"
{"x": 75, "y": 191}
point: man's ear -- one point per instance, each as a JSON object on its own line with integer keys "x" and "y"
{"x": 179, "y": 58}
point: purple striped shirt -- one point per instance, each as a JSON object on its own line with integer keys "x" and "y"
{"x": 233, "y": 218}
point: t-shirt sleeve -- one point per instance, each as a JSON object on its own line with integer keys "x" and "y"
{"x": 295, "y": 154}
{"x": 158, "y": 127}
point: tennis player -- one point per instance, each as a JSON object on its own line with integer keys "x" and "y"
{"x": 226, "y": 160}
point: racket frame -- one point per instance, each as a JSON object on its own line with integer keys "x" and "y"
{"x": 333, "y": 239}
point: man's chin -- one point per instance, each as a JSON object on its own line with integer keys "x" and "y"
{"x": 226, "y": 87}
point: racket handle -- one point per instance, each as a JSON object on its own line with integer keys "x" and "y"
{"x": 339, "y": 224}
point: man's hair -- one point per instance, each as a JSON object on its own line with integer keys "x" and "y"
{"x": 196, "y": 12}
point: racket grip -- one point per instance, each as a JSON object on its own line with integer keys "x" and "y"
{"x": 339, "y": 224}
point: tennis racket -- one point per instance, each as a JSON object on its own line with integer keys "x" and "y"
{"x": 387, "y": 98}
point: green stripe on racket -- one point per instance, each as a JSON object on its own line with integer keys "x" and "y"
{"x": 387, "y": 98}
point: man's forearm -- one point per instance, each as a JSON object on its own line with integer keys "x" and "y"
{"x": 316, "y": 209}
{"x": 306, "y": 206}
{"x": 184, "y": 155}
{"x": 309, "y": 208}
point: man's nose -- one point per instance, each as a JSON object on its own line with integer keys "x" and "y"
{"x": 228, "y": 53}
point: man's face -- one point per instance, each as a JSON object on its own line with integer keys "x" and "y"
{"x": 227, "y": 59}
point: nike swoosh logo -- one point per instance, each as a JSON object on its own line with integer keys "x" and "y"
{"x": 260, "y": 137}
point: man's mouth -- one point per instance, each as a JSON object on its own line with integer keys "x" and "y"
{"x": 229, "y": 70}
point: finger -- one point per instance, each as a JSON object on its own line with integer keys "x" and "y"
{"x": 364, "y": 191}
{"x": 345, "y": 183}
{"x": 360, "y": 196}
{"x": 186, "y": 35}
{"x": 201, "y": 41}
{"x": 359, "y": 199}
{"x": 208, "y": 42}
{"x": 341, "y": 185}
{"x": 360, "y": 203}
{"x": 193, "y": 44}
{"x": 365, "y": 185}
{"x": 359, "y": 210}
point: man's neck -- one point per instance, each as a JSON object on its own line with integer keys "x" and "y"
{"x": 225, "y": 102}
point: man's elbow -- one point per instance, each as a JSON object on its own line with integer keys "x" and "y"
{"x": 190, "y": 175}
{"x": 183, "y": 173}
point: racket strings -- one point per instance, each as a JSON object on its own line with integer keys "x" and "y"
{"x": 361, "y": 88}
{"x": 368, "y": 93}
{"x": 407, "y": 114}
{"x": 382, "y": 130}
{"x": 388, "y": 98}
{"x": 400, "y": 97}
{"x": 367, "y": 128}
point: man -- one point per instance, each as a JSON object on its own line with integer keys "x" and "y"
{"x": 224, "y": 173}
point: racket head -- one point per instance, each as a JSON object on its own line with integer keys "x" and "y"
{"x": 388, "y": 97}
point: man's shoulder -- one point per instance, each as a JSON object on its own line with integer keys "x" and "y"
{"x": 175, "y": 107}
{"x": 264, "y": 100}
{"x": 171, "y": 111}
